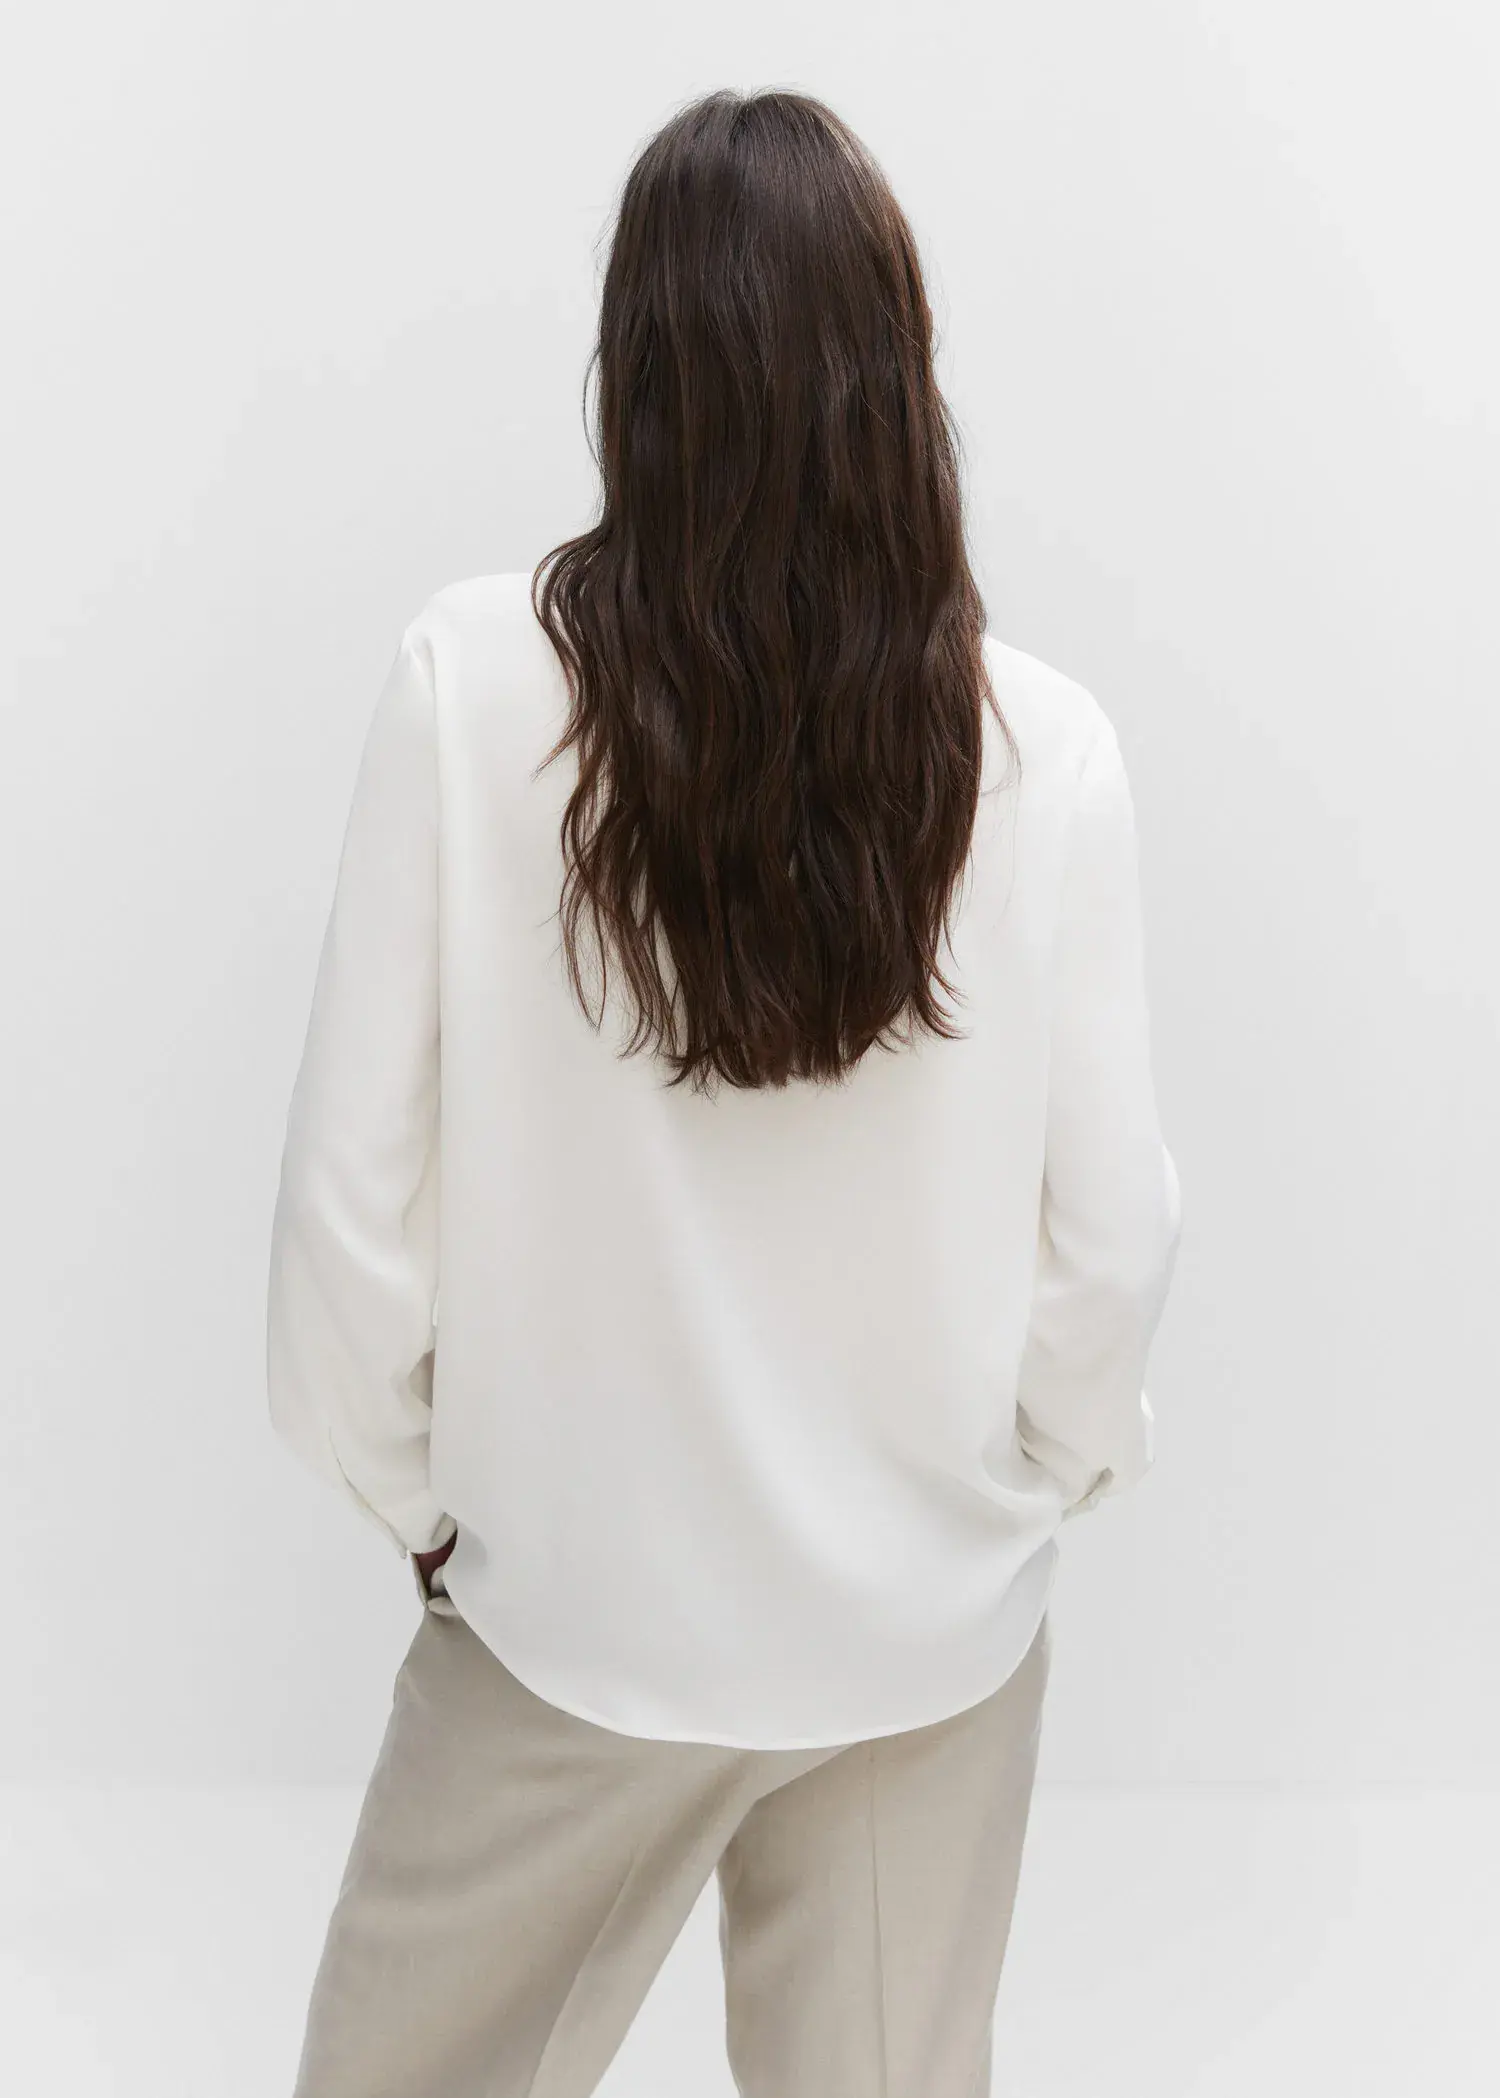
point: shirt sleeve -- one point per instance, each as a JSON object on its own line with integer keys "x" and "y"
{"x": 1111, "y": 1203}
{"x": 351, "y": 1330}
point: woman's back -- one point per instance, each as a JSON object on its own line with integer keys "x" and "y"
{"x": 757, "y": 1411}
{"x": 723, "y": 1215}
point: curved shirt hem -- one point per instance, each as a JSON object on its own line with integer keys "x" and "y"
{"x": 563, "y": 1701}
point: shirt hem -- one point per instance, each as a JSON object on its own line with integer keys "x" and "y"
{"x": 531, "y": 1681}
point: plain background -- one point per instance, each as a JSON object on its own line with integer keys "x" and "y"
{"x": 300, "y": 301}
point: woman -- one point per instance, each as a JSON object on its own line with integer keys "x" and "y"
{"x": 733, "y": 995}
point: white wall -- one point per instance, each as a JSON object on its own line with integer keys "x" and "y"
{"x": 300, "y": 302}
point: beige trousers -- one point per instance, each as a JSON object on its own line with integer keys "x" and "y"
{"x": 518, "y": 1875}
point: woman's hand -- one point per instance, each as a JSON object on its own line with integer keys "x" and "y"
{"x": 429, "y": 1562}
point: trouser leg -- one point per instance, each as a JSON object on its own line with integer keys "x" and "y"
{"x": 865, "y": 1907}
{"x": 517, "y": 1877}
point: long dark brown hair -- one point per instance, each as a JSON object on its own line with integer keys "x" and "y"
{"x": 772, "y": 638}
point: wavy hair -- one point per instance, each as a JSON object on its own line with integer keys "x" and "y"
{"x": 772, "y": 638}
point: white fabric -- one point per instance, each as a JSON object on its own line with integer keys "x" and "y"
{"x": 757, "y": 1415}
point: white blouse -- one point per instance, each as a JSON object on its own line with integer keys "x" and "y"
{"x": 756, "y": 1415}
